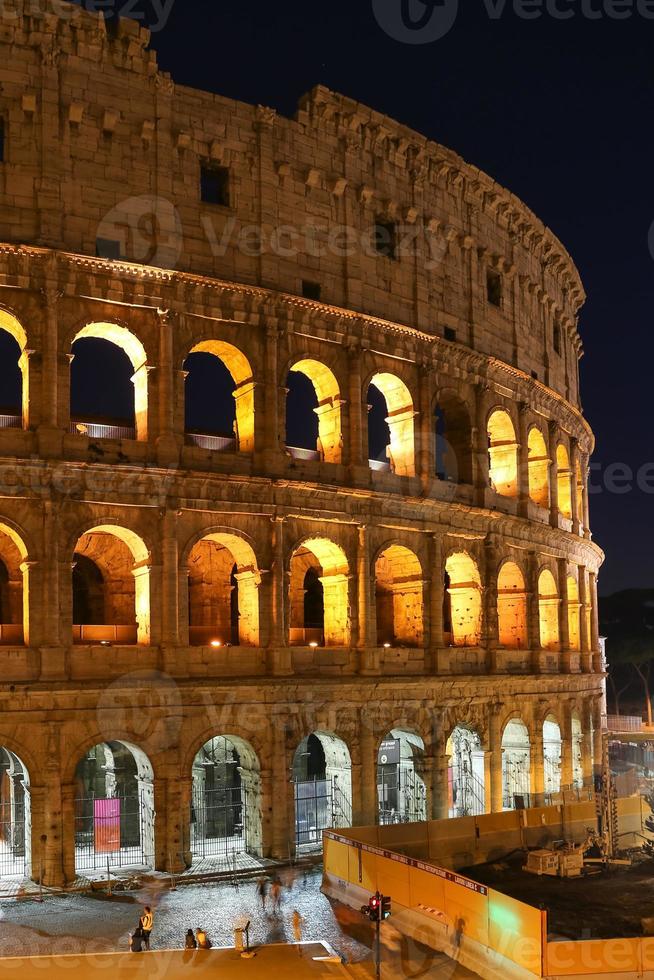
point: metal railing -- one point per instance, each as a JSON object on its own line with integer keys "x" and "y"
{"x": 379, "y": 465}
{"x": 624, "y": 723}
{"x": 216, "y": 444}
{"x": 101, "y": 430}
{"x": 11, "y": 422}
{"x": 309, "y": 455}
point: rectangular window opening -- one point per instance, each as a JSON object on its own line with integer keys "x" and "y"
{"x": 214, "y": 185}
{"x": 449, "y": 333}
{"x": 311, "y": 290}
{"x": 385, "y": 238}
{"x": 107, "y": 248}
{"x": 494, "y": 288}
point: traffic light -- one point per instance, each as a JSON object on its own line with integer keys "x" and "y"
{"x": 378, "y": 908}
{"x": 375, "y": 908}
{"x": 385, "y": 906}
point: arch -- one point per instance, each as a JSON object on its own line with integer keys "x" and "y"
{"x": 502, "y": 453}
{"x": 552, "y": 746}
{"x": 580, "y": 490}
{"x": 574, "y": 613}
{"x": 401, "y": 789}
{"x": 322, "y": 778}
{"x": 123, "y": 560}
{"x": 330, "y": 436}
{"x": 564, "y": 480}
{"x": 132, "y": 347}
{"x": 240, "y": 370}
{"x": 512, "y": 607}
{"x": 223, "y": 591}
{"x": 14, "y": 588}
{"x": 453, "y": 439}
{"x": 577, "y": 751}
{"x": 539, "y": 468}
{"x": 114, "y": 808}
{"x": 331, "y": 570}
{"x": 399, "y": 597}
{"x": 516, "y": 764}
{"x": 226, "y": 814}
{"x": 400, "y": 421}
{"x": 462, "y": 600}
{"x": 548, "y": 610}
{"x": 466, "y": 773}
{"x": 15, "y": 816}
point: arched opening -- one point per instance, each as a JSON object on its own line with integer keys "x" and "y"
{"x": 580, "y": 490}
{"x": 319, "y": 595}
{"x": 463, "y": 601}
{"x": 108, "y": 383}
{"x": 322, "y": 778}
{"x": 13, "y": 591}
{"x": 114, "y": 808}
{"x": 502, "y": 454}
{"x": 223, "y": 592}
{"x": 539, "y": 469}
{"x": 219, "y": 398}
{"x": 401, "y": 791}
{"x": 15, "y": 817}
{"x": 564, "y": 480}
{"x": 398, "y": 598}
{"x": 391, "y": 430}
{"x": 516, "y": 765}
{"x": 466, "y": 773}
{"x": 551, "y": 756}
{"x": 453, "y": 439}
{"x": 548, "y": 611}
{"x": 226, "y": 801}
{"x": 14, "y": 376}
{"x": 577, "y": 752}
{"x": 574, "y": 613}
{"x": 512, "y": 607}
{"x": 111, "y": 578}
{"x": 313, "y": 413}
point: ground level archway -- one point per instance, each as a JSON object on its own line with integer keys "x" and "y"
{"x": 114, "y": 808}
{"x": 322, "y": 778}
{"x": 15, "y": 817}
{"x": 401, "y": 790}
{"x": 466, "y": 773}
{"x": 516, "y": 765}
{"x": 552, "y": 748}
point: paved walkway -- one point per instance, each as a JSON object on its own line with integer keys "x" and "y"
{"x": 283, "y": 961}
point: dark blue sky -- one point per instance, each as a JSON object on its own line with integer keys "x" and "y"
{"x": 558, "y": 111}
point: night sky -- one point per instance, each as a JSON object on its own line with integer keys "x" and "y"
{"x": 559, "y": 111}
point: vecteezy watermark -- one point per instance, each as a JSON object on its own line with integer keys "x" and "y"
{"x": 146, "y": 230}
{"x": 153, "y": 14}
{"x": 426, "y": 21}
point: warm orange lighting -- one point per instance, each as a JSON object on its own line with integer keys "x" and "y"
{"x": 387, "y": 646}
{"x": 313, "y": 645}
{"x": 216, "y": 643}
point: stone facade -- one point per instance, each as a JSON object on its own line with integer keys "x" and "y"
{"x": 465, "y": 601}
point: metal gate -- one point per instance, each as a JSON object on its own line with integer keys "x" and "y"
{"x": 220, "y": 822}
{"x": 117, "y": 832}
{"x": 14, "y": 839}
{"x": 515, "y": 780}
{"x": 401, "y": 794}
{"x": 315, "y": 810}
{"x": 468, "y": 793}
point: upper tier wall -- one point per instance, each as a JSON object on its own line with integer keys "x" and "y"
{"x": 91, "y": 123}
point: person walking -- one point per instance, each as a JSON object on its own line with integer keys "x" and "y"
{"x": 262, "y": 892}
{"x": 146, "y": 923}
{"x": 190, "y": 941}
{"x": 298, "y": 922}
{"x": 276, "y": 895}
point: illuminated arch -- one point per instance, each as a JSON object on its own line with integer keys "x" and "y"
{"x": 15, "y": 812}
{"x": 224, "y": 580}
{"x": 463, "y": 596}
{"x": 574, "y": 612}
{"x": 453, "y": 438}
{"x": 240, "y": 369}
{"x": 11, "y": 325}
{"x": 580, "y": 490}
{"x": 466, "y": 771}
{"x": 548, "y": 611}
{"x": 400, "y": 420}
{"x": 330, "y": 436}
{"x": 577, "y": 751}
{"x": 119, "y": 570}
{"x": 398, "y": 596}
{"x": 564, "y": 480}
{"x": 322, "y": 777}
{"x": 503, "y": 454}
{"x": 123, "y": 338}
{"x": 539, "y": 469}
{"x": 401, "y": 789}
{"x": 327, "y": 566}
{"x": 516, "y": 763}
{"x": 512, "y": 606}
{"x": 552, "y": 750}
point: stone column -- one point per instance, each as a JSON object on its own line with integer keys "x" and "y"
{"x": 427, "y": 422}
{"x": 46, "y": 841}
{"x": 480, "y": 444}
{"x": 553, "y": 430}
{"x": 33, "y": 600}
{"x": 523, "y": 459}
{"x": 369, "y": 805}
{"x": 490, "y": 635}
{"x": 566, "y": 748}
{"x": 357, "y": 424}
{"x": 167, "y": 443}
{"x": 283, "y": 799}
{"x": 440, "y": 799}
{"x": 533, "y": 610}
{"x": 171, "y": 836}
{"x": 281, "y": 655}
{"x": 587, "y": 744}
{"x": 436, "y": 598}
{"x": 564, "y": 622}
{"x": 43, "y": 387}
{"x": 367, "y": 631}
{"x": 585, "y": 623}
{"x": 586, "y": 506}
{"x": 272, "y": 402}
{"x": 494, "y": 788}
{"x": 598, "y": 722}
{"x": 170, "y": 580}
{"x": 537, "y": 766}
{"x": 594, "y": 616}
{"x": 577, "y": 517}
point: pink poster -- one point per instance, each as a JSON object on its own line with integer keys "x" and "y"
{"x": 106, "y": 815}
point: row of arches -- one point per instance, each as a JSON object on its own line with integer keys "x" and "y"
{"x": 114, "y": 807}
{"x": 109, "y": 398}
{"x": 111, "y": 594}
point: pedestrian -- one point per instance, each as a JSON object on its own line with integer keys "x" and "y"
{"x": 189, "y": 942}
{"x": 298, "y": 922}
{"x": 262, "y": 892}
{"x": 203, "y": 940}
{"x": 136, "y": 940}
{"x": 146, "y": 923}
{"x": 276, "y": 894}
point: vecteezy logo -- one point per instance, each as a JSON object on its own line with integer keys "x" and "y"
{"x": 416, "y": 21}
{"x": 147, "y": 230}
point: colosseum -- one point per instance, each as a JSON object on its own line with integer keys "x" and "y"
{"x": 216, "y": 642}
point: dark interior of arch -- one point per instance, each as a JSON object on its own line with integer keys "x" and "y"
{"x": 301, "y": 419}
{"x": 314, "y": 601}
{"x": 88, "y": 593}
{"x": 310, "y": 762}
{"x": 11, "y": 382}
{"x": 379, "y": 434}
{"x": 100, "y": 383}
{"x": 209, "y": 396}
{"x": 453, "y": 438}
